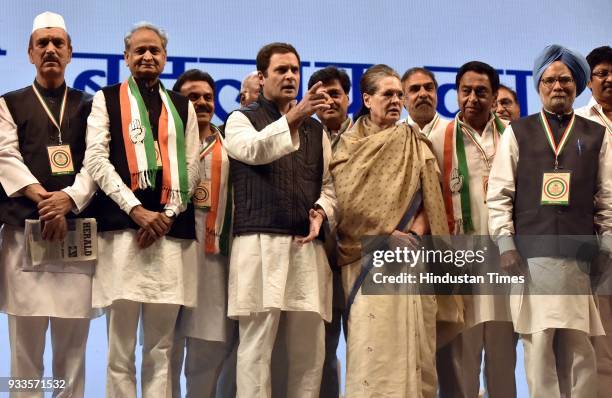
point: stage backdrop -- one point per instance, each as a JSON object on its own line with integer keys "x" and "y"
{"x": 223, "y": 38}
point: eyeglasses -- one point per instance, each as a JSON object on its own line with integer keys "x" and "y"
{"x": 505, "y": 103}
{"x": 601, "y": 74}
{"x": 564, "y": 81}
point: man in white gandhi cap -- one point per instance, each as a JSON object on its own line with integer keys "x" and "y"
{"x": 550, "y": 193}
{"x": 42, "y": 144}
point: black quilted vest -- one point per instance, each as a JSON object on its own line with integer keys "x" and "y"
{"x": 276, "y": 197}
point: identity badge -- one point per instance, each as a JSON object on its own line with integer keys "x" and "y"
{"x": 556, "y": 188}
{"x": 60, "y": 159}
{"x": 201, "y": 197}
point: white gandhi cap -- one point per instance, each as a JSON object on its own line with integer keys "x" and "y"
{"x": 48, "y": 20}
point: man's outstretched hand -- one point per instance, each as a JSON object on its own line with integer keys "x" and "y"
{"x": 310, "y": 103}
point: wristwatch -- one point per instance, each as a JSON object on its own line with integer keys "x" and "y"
{"x": 169, "y": 213}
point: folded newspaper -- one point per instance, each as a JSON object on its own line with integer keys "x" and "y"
{"x": 80, "y": 243}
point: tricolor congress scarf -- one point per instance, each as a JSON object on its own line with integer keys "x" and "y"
{"x": 140, "y": 148}
{"x": 219, "y": 217}
{"x": 456, "y": 180}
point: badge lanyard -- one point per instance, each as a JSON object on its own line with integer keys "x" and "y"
{"x": 464, "y": 188}
{"x": 60, "y": 156}
{"x": 483, "y": 153}
{"x": 209, "y": 143}
{"x": 58, "y": 124}
{"x": 551, "y": 140}
{"x": 603, "y": 118}
{"x": 202, "y": 198}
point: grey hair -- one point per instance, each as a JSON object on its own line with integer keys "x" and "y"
{"x": 247, "y": 77}
{"x": 145, "y": 25}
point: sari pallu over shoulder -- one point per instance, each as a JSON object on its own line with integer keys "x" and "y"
{"x": 376, "y": 175}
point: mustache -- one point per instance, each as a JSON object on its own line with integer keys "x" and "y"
{"x": 50, "y": 57}
{"x": 203, "y": 108}
{"x": 424, "y": 102}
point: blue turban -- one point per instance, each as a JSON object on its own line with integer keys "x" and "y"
{"x": 576, "y": 63}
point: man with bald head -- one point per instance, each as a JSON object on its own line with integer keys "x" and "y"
{"x": 250, "y": 88}
{"x": 40, "y": 124}
{"x": 552, "y": 178}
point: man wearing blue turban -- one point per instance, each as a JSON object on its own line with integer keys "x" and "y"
{"x": 572, "y": 60}
{"x": 552, "y": 180}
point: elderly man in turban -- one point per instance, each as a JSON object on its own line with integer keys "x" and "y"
{"x": 551, "y": 179}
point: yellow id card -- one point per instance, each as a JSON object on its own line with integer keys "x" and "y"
{"x": 60, "y": 159}
{"x": 556, "y": 188}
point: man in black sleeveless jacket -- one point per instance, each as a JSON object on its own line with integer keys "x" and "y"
{"x": 142, "y": 150}
{"x": 549, "y": 194}
{"x": 42, "y": 143}
{"x": 280, "y": 287}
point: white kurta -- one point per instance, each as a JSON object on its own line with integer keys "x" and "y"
{"x": 272, "y": 271}
{"x": 531, "y": 314}
{"x": 593, "y": 111}
{"x": 56, "y": 294}
{"x": 165, "y": 272}
{"x": 208, "y": 319}
{"x": 437, "y": 125}
{"x": 478, "y": 308}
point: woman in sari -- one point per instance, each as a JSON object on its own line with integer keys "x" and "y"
{"x": 380, "y": 169}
